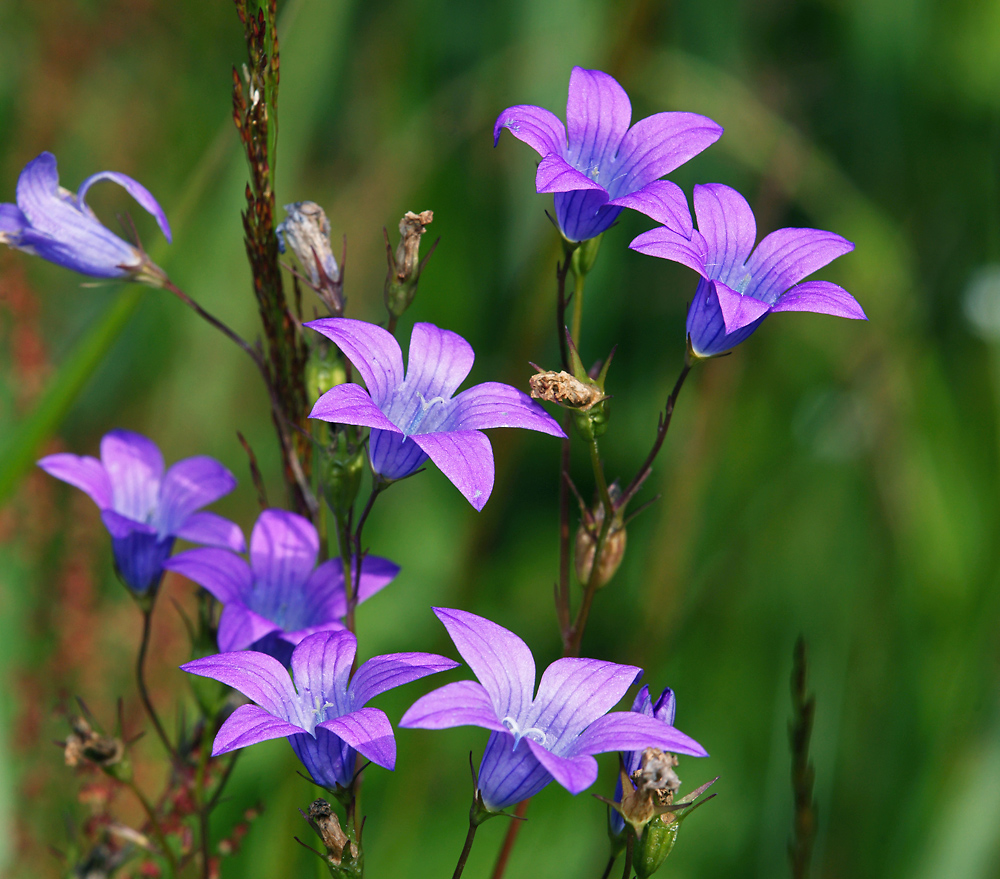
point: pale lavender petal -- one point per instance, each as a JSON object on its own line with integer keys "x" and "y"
{"x": 598, "y": 113}
{"x": 575, "y": 773}
{"x": 381, "y": 673}
{"x": 668, "y": 244}
{"x": 283, "y": 550}
{"x": 373, "y": 351}
{"x": 728, "y": 226}
{"x": 462, "y": 703}
{"x": 662, "y": 201}
{"x": 83, "y": 472}
{"x": 502, "y": 661}
{"x": 574, "y": 692}
{"x": 541, "y": 129}
{"x": 786, "y": 256}
{"x": 296, "y": 636}
{"x": 393, "y": 455}
{"x": 321, "y": 665}
{"x": 555, "y": 174}
{"x": 239, "y": 627}
{"x": 493, "y": 404}
{"x": 259, "y": 677}
{"x": 658, "y": 144}
{"x": 437, "y": 363}
{"x": 12, "y": 223}
{"x": 822, "y": 297}
{"x": 38, "y": 193}
{"x": 135, "y": 467}
{"x": 325, "y": 599}
{"x": 509, "y": 774}
{"x": 120, "y": 526}
{"x": 369, "y": 732}
{"x": 189, "y": 485}
{"x": 212, "y": 530}
{"x": 738, "y": 311}
{"x": 665, "y": 708}
{"x": 351, "y": 404}
{"x": 135, "y": 189}
{"x": 466, "y": 458}
{"x": 248, "y": 725}
{"x": 225, "y": 575}
{"x": 630, "y": 731}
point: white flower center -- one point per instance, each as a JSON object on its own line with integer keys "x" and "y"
{"x": 532, "y": 732}
{"x": 421, "y": 413}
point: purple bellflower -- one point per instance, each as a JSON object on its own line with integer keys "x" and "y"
{"x": 596, "y": 164}
{"x": 53, "y": 223}
{"x": 738, "y": 289}
{"x": 281, "y": 596}
{"x": 663, "y": 710}
{"x": 323, "y": 714}
{"x": 144, "y": 508}
{"x": 537, "y": 737}
{"x": 416, "y": 417}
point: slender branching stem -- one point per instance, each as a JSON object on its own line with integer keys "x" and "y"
{"x": 462, "y": 858}
{"x": 352, "y": 595}
{"x": 579, "y": 279}
{"x": 510, "y": 837}
{"x": 223, "y": 781}
{"x": 154, "y": 826}
{"x": 628, "y": 855}
{"x": 562, "y": 270}
{"x": 140, "y": 679}
{"x": 607, "y": 869}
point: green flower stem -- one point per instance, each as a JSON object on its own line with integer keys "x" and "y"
{"x": 140, "y": 679}
{"x": 579, "y": 280}
{"x": 154, "y": 827}
{"x": 607, "y": 869}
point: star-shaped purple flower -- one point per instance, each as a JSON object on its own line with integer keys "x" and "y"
{"x": 271, "y": 604}
{"x": 596, "y": 164}
{"x": 324, "y": 714}
{"x": 416, "y": 417}
{"x": 738, "y": 289}
{"x": 144, "y": 508}
{"x": 537, "y": 737}
{"x": 53, "y": 223}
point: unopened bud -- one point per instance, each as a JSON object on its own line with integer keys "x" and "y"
{"x": 341, "y": 469}
{"x": 405, "y": 265}
{"x": 325, "y": 369}
{"x": 588, "y": 535}
{"x": 306, "y": 232}
{"x": 657, "y": 841}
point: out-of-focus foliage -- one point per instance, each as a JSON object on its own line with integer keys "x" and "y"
{"x": 830, "y": 478}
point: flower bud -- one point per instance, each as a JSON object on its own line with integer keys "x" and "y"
{"x": 587, "y": 537}
{"x": 306, "y": 232}
{"x": 324, "y": 370}
{"x": 405, "y": 266}
{"x": 341, "y": 469}
{"x": 656, "y": 843}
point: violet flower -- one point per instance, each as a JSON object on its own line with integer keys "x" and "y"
{"x": 144, "y": 508}
{"x": 596, "y": 164}
{"x": 281, "y": 596}
{"x": 53, "y": 223}
{"x": 738, "y": 289}
{"x": 537, "y": 737}
{"x": 664, "y": 711}
{"x": 416, "y": 417}
{"x": 324, "y": 715}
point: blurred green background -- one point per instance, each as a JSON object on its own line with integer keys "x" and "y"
{"x": 829, "y": 478}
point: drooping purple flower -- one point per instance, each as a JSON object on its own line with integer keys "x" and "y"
{"x": 738, "y": 289}
{"x": 53, "y": 223}
{"x": 596, "y": 164}
{"x": 664, "y": 711}
{"x": 416, "y": 417}
{"x": 144, "y": 508}
{"x": 272, "y": 603}
{"x": 323, "y": 715}
{"x": 537, "y": 737}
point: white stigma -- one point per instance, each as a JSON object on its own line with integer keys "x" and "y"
{"x": 532, "y": 732}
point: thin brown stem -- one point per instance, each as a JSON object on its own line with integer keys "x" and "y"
{"x": 140, "y": 679}
{"x": 510, "y": 838}
{"x": 562, "y": 590}
{"x": 628, "y": 856}
{"x": 607, "y": 869}
{"x": 154, "y": 826}
{"x": 462, "y": 858}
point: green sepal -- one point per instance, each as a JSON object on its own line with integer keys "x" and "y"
{"x": 585, "y": 255}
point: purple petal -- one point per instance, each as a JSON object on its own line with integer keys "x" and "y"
{"x": 321, "y": 665}
{"x": 665, "y": 708}
{"x": 240, "y": 627}
{"x": 786, "y": 256}
{"x": 728, "y": 226}
{"x": 381, "y": 673}
{"x": 189, "y": 485}
{"x": 502, "y": 661}
{"x": 223, "y": 574}
{"x": 598, "y": 113}
{"x": 738, "y": 311}
{"x": 327, "y": 757}
{"x": 584, "y": 213}
{"x": 509, "y": 773}
{"x": 373, "y": 351}
{"x": 462, "y": 703}
{"x": 83, "y": 472}
{"x": 629, "y": 731}
{"x": 135, "y": 189}
{"x": 260, "y": 678}
{"x": 555, "y": 174}
{"x": 668, "y": 244}
{"x": 248, "y": 725}
{"x": 575, "y": 773}
{"x": 541, "y": 129}
{"x": 574, "y": 692}
{"x": 139, "y": 555}
{"x": 12, "y": 223}
{"x": 706, "y": 327}
{"x": 662, "y": 201}
{"x": 466, "y": 458}
{"x": 324, "y": 590}
{"x": 393, "y": 455}
{"x": 658, "y": 144}
{"x": 438, "y": 362}
{"x": 821, "y": 297}
{"x": 135, "y": 467}
{"x": 351, "y": 404}
{"x": 212, "y": 530}
{"x": 120, "y": 526}
{"x": 369, "y": 732}
{"x": 283, "y": 550}
{"x": 493, "y": 404}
